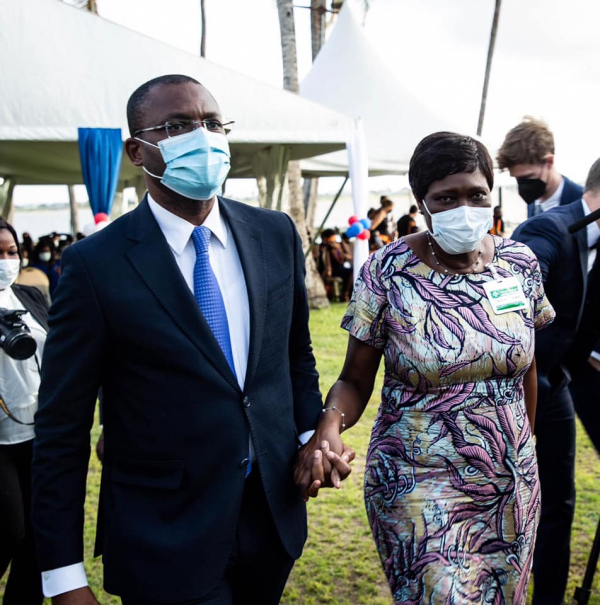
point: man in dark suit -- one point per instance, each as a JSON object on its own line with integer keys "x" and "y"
{"x": 528, "y": 154}
{"x": 191, "y": 313}
{"x": 565, "y": 261}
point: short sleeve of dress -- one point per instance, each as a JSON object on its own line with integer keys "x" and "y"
{"x": 365, "y": 316}
{"x": 543, "y": 312}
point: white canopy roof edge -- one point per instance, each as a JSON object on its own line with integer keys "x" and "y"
{"x": 349, "y": 76}
{"x": 83, "y": 73}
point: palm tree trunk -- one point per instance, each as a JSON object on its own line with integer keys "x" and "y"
{"x": 488, "y": 67}
{"x": 203, "y": 26}
{"x": 317, "y": 34}
{"x": 317, "y": 26}
{"x": 317, "y": 296}
{"x": 287, "y": 32}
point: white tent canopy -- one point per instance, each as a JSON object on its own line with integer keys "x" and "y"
{"x": 348, "y": 76}
{"x": 64, "y": 68}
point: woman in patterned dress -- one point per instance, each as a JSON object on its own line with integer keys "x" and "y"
{"x": 451, "y": 483}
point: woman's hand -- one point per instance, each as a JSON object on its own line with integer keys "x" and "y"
{"x": 324, "y": 461}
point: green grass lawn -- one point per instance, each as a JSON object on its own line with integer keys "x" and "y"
{"x": 340, "y": 564}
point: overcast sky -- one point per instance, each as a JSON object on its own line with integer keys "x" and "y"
{"x": 547, "y": 60}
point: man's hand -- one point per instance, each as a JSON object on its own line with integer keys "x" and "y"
{"x": 81, "y": 596}
{"x": 323, "y": 462}
{"x": 595, "y": 363}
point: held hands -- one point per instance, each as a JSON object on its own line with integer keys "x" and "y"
{"x": 81, "y": 596}
{"x": 324, "y": 461}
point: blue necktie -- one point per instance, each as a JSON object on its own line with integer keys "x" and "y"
{"x": 210, "y": 300}
{"x": 208, "y": 294}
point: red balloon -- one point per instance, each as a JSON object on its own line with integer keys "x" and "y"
{"x": 101, "y": 217}
{"x": 353, "y": 219}
{"x": 366, "y": 234}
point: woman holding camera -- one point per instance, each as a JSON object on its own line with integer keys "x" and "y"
{"x": 19, "y": 384}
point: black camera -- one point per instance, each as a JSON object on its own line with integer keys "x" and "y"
{"x": 15, "y": 336}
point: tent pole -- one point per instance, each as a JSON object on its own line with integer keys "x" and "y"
{"x": 335, "y": 199}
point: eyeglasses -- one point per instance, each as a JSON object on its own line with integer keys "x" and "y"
{"x": 184, "y": 126}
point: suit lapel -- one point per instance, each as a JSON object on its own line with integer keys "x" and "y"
{"x": 248, "y": 240}
{"x": 153, "y": 260}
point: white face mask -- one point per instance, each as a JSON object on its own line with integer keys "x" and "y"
{"x": 9, "y": 271}
{"x": 461, "y": 229}
{"x": 25, "y": 262}
{"x": 45, "y": 256}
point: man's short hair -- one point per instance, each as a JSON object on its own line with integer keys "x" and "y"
{"x": 137, "y": 101}
{"x": 413, "y": 209}
{"x": 530, "y": 142}
{"x": 592, "y": 182}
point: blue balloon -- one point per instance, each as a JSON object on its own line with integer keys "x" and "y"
{"x": 355, "y": 229}
{"x": 366, "y": 222}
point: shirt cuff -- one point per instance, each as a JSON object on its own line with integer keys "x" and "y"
{"x": 63, "y": 579}
{"x": 595, "y": 355}
{"x": 304, "y": 438}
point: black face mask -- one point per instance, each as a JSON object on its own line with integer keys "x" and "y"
{"x": 531, "y": 189}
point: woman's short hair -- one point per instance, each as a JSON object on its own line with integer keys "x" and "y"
{"x": 444, "y": 153}
{"x": 6, "y": 225}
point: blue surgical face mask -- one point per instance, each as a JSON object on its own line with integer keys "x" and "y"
{"x": 197, "y": 163}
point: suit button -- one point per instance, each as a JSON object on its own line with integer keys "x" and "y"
{"x": 246, "y": 402}
{"x": 244, "y": 463}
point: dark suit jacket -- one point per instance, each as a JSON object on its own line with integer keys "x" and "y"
{"x": 34, "y": 301}
{"x": 571, "y": 193}
{"x": 563, "y": 260}
{"x": 176, "y": 422}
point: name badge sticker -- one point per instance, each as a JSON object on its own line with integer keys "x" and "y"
{"x": 505, "y": 295}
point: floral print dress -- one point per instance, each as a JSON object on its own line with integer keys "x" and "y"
{"x": 451, "y": 483}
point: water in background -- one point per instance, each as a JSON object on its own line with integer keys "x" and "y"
{"x": 39, "y": 222}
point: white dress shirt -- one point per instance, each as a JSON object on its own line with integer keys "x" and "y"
{"x": 553, "y": 201}
{"x": 227, "y": 267}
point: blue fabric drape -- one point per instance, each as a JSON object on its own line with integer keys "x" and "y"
{"x": 100, "y": 151}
